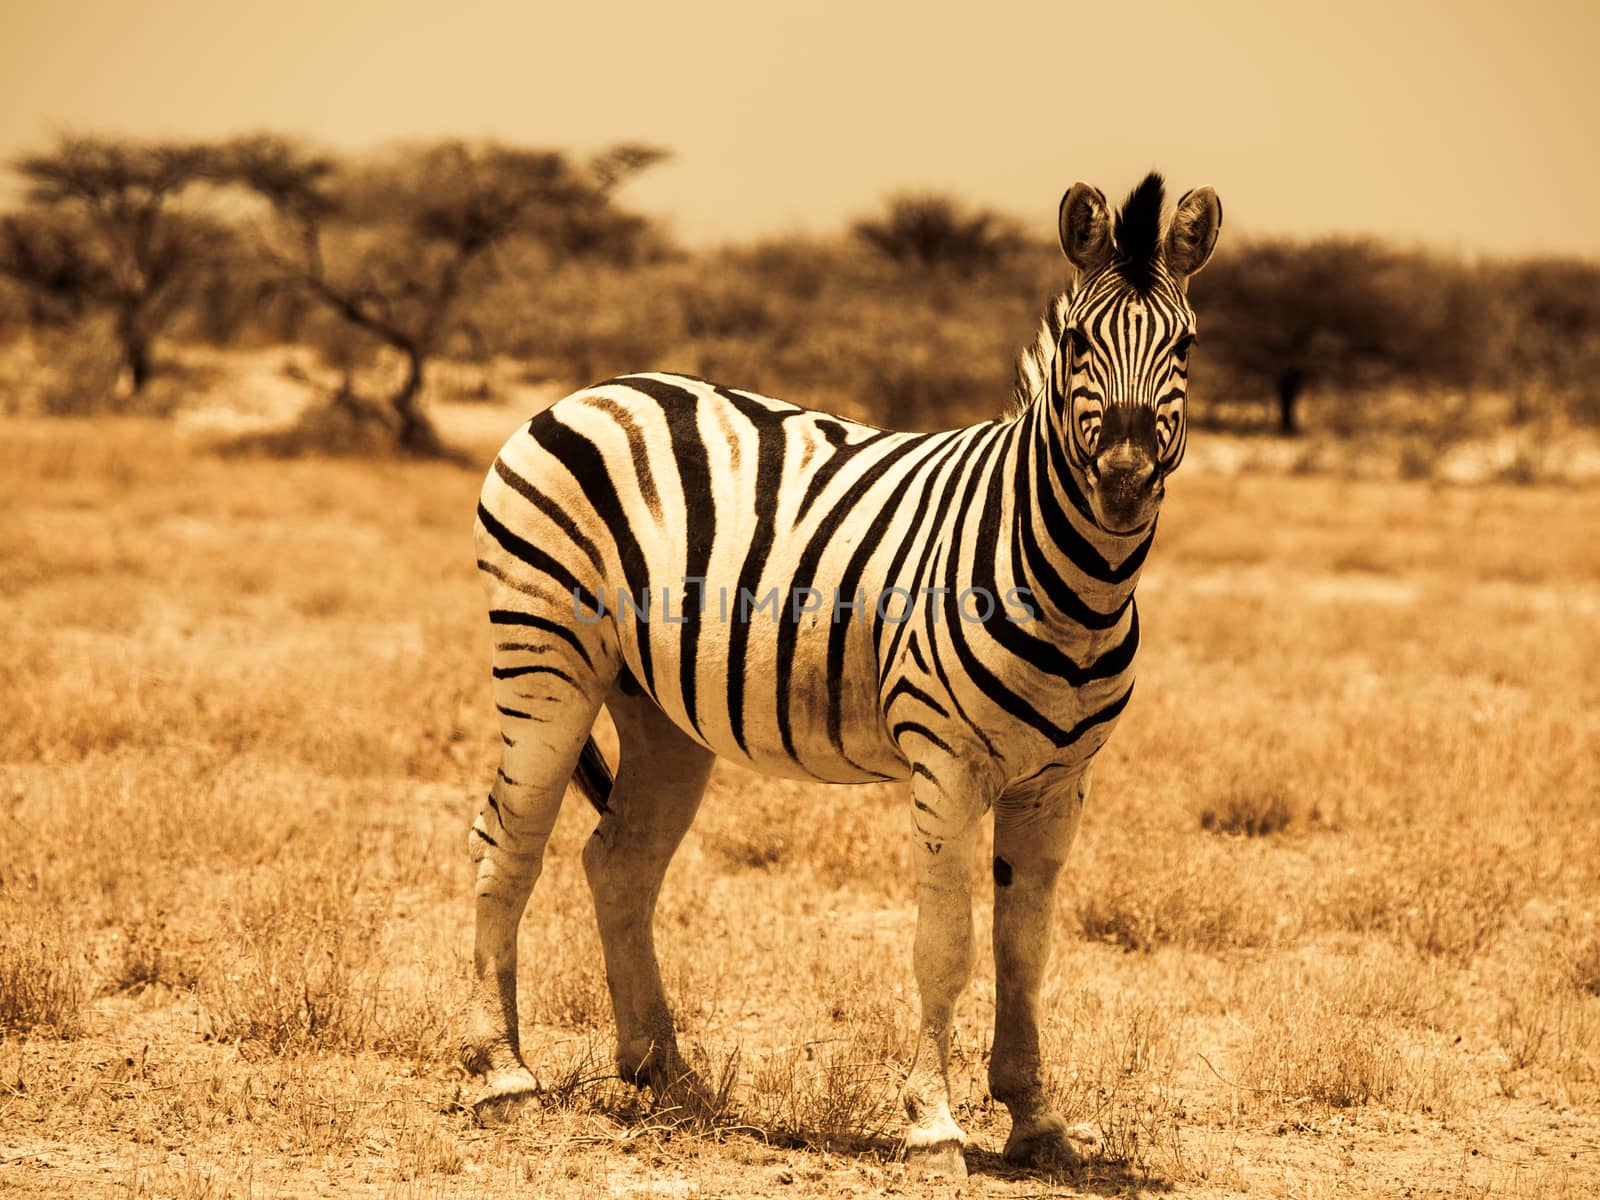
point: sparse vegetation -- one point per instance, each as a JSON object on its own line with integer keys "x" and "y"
{"x": 1586, "y": 966}
{"x": 390, "y": 265}
{"x": 41, "y": 973}
{"x": 1252, "y": 812}
{"x": 1310, "y": 1051}
{"x": 247, "y": 722}
{"x": 1337, "y": 873}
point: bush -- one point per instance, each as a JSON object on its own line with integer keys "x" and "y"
{"x": 1253, "y": 813}
{"x": 930, "y": 230}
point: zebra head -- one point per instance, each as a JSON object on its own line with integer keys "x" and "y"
{"x": 1121, "y": 362}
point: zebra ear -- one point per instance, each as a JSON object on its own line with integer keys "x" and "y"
{"x": 1193, "y": 233}
{"x": 1085, "y": 227}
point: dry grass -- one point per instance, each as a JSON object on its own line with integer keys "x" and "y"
{"x": 41, "y": 974}
{"x": 1321, "y": 1039}
{"x": 1331, "y": 918}
{"x": 1586, "y": 966}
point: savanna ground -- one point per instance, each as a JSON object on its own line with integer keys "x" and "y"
{"x": 1332, "y": 927}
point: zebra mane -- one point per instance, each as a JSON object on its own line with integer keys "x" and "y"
{"x": 1138, "y": 232}
{"x": 1033, "y": 364}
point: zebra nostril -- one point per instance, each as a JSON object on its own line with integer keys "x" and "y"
{"x": 1124, "y": 465}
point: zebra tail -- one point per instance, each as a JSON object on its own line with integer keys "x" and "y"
{"x": 593, "y": 777}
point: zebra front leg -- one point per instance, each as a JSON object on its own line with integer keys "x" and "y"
{"x": 945, "y": 813}
{"x": 1032, "y": 833}
{"x": 507, "y": 844}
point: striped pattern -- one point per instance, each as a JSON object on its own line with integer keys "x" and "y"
{"x": 812, "y": 596}
{"x": 1132, "y": 364}
{"x": 804, "y": 593}
{"x": 817, "y": 598}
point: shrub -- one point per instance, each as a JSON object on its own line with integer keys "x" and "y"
{"x": 931, "y": 230}
{"x": 1251, "y": 813}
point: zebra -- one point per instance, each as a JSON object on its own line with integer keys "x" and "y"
{"x": 658, "y": 544}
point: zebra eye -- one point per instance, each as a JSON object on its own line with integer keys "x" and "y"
{"x": 1080, "y": 343}
{"x": 1180, "y": 349}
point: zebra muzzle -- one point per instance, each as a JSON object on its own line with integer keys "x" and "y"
{"x": 1124, "y": 487}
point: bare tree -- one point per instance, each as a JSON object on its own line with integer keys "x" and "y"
{"x": 105, "y": 230}
{"x": 388, "y": 246}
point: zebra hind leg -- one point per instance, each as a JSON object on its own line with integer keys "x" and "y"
{"x": 660, "y": 780}
{"x": 546, "y": 713}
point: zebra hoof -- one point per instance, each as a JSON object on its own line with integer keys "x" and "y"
{"x": 504, "y": 1104}
{"x": 936, "y": 1161}
{"x": 1050, "y": 1145}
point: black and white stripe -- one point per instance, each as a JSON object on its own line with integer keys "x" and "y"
{"x": 818, "y": 598}
{"x": 667, "y": 486}
{"x": 657, "y": 481}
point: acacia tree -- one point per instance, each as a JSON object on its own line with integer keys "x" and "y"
{"x": 388, "y": 246}
{"x": 1285, "y": 317}
{"x": 930, "y": 230}
{"x": 105, "y": 231}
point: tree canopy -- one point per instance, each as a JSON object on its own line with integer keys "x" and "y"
{"x": 105, "y": 228}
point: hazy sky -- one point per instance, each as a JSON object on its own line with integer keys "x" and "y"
{"x": 1468, "y": 126}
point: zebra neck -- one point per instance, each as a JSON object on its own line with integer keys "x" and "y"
{"x": 1077, "y": 572}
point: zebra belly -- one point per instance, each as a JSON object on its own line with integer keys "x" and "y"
{"x": 743, "y": 687}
